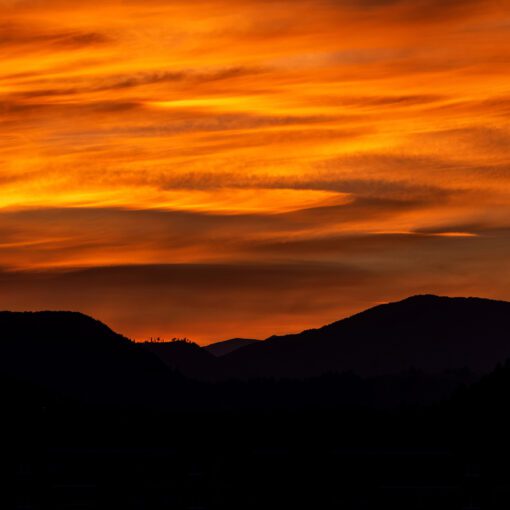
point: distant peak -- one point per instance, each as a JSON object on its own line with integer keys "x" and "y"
{"x": 425, "y": 297}
{"x": 429, "y": 298}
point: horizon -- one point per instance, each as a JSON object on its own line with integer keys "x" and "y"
{"x": 215, "y": 169}
{"x": 325, "y": 183}
{"x": 171, "y": 338}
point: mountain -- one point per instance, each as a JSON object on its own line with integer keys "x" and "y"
{"x": 185, "y": 357}
{"x": 227, "y": 346}
{"x": 428, "y": 333}
{"x": 416, "y": 350}
{"x": 336, "y": 435}
{"x": 73, "y": 355}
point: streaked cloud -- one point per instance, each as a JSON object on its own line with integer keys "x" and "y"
{"x": 356, "y": 143}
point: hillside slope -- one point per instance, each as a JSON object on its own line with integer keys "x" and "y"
{"x": 428, "y": 333}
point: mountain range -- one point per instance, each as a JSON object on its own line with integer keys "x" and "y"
{"x": 405, "y": 402}
{"x": 419, "y": 349}
{"x": 427, "y": 333}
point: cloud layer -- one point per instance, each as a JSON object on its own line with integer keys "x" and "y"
{"x": 322, "y": 155}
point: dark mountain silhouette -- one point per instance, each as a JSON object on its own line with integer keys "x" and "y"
{"x": 185, "y": 357}
{"x": 227, "y": 346}
{"x": 428, "y": 333}
{"x": 435, "y": 342}
{"x": 76, "y": 356}
{"x": 337, "y": 440}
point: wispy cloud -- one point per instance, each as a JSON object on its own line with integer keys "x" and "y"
{"x": 366, "y": 139}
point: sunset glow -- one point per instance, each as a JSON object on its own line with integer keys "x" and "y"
{"x": 242, "y": 168}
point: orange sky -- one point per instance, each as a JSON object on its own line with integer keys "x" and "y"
{"x": 240, "y": 168}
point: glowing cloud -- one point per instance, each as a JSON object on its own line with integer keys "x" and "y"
{"x": 140, "y": 134}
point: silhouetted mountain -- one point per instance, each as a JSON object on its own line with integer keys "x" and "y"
{"x": 185, "y": 357}
{"x": 418, "y": 350}
{"x": 429, "y": 333}
{"x": 76, "y": 356}
{"x": 337, "y": 440}
{"x": 227, "y": 346}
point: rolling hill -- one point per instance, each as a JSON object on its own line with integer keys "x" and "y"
{"x": 426, "y": 333}
{"x": 227, "y": 346}
{"x": 73, "y": 355}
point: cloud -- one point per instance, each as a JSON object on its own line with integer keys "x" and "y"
{"x": 64, "y": 237}
{"x": 210, "y": 159}
{"x": 77, "y": 86}
{"x": 416, "y": 10}
{"x": 170, "y": 297}
{"x": 210, "y": 301}
{"x": 13, "y": 36}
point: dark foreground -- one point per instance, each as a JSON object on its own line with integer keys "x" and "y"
{"x": 91, "y": 420}
{"x": 202, "y": 460}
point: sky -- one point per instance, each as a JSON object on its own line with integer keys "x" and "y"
{"x": 214, "y": 169}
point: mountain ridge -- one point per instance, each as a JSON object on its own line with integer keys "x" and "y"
{"x": 432, "y": 335}
{"x": 76, "y": 355}
{"x": 386, "y": 338}
{"x": 224, "y": 347}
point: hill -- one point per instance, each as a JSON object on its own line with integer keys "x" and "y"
{"x": 416, "y": 350}
{"x": 185, "y": 357}
{"x": 427, "y": 333}
{"x": 227, "y": 346}
{"x": 73, "y": 355}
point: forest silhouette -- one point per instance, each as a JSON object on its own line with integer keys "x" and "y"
{"x": 405, "y": 404}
